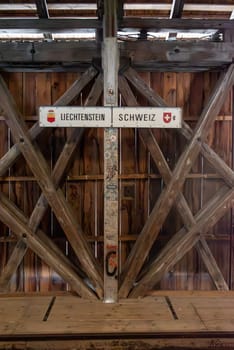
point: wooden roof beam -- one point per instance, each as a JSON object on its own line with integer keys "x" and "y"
{"x": 49, "y": 25}
{"x": 153, "y": 53}
{"x": 69, "y": 24}
{"x": 177, "y": 24}
{"x": 28, "y": 7}
{"x": 41, "y": 207}
{"x": 187, "y": 7}
{"x": 144, "y": 55}
{"x": 176, "y": 12}
{"x": 42, "y": 8}
{"x": 177, "y": 8}
{"x": 92, "y": 6}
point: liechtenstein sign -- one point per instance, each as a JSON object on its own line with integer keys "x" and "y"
{"x": 75, "y": 117}
{"x": 117, "y": 117}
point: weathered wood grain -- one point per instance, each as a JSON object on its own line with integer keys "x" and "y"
{"x": 181, "y": 204}
{"x": 22, "y": 246}
{"x": 144, "y": 55}
{"x": 11, "y": 216}
{"x": 182, "y": 242}
{"x": 58, "y": 173}
{"x": 155, "y": 100}
{"x": 175, "y": 23}
{"x": 51, "y": 25}
{"x": 55, "y": 197}
{"x": 9, "y": 158}
{"x": 211, "y": 264}
{"x": 15, "y": 259}
{"x": 42, "y": 9}
{"x": 205, "y": 320}
{"x": 169, "y": 194}
{"x": 177, "y": 8}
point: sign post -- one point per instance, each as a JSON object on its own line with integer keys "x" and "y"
{"x": 110, "y": 117}
{"x": 110, "y": 56}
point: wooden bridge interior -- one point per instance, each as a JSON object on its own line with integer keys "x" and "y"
{"x": 167, "y": 222}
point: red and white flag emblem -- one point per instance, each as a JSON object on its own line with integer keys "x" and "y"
{"x": 167, "y": 117}
{"x": 51, "y": 116}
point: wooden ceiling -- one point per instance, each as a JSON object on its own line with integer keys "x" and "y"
{"x": 164, "y": 26}
{"x": 143, "y": 8}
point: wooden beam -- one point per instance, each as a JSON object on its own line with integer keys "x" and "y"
{"x": 11, "y": 218}
{"x": 165, "y": 201}
{"x": 177, "y": 8}
{"x": 42, "y": 8}
{"x": 40, "y": 208}
{"x": 57, "y": 25}
{"x": 187, "y": 7}
{"x": 181, "y": 203}
{"x": 211, "y": 264}
{"x": 182, "y": 242}
{"x": 26, "y": 7}
{"x": 155, "y": 100}
{"x": 100, "y": 12}
{"x": 74, "y": 90}
{"x": 157, "y": 24}
{"x": 111, "y": 190}
{"x": 145, "y": 52}
{"x": 145, "y": 55}
{"x": 67, "y": 24}
{"x": 12, "y": 265}
{"x": 176, "y": 12}
{"x": 58, "y": 173}
{"x": 228, "y": 35}
{"x": 54, "y": 197}
{"x": 100, "y": 9}
{"x": 120, "y": 10}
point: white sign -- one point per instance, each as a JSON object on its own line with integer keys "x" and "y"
{"x": 92, "y": 117}
{"x": 147, "y": 117}
{"x": 117, "y": 117}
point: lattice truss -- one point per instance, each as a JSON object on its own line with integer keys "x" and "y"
{"x": 194, "y": 227}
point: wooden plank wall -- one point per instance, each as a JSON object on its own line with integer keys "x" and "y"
{"x": 140, "y": 182}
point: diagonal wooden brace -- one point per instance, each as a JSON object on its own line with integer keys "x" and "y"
{"x": 14, "y": 152}
{"x": 181, "y": 204}
{"x": 55, "y": 197}
{"x": 165, "y": 201}
{"x": 42, "y": 204}
{"x": 155, "y": 100}
{"x": 183, "y": 241}
{"x": 15, "y": 220}
{"x": 184, "y": 210}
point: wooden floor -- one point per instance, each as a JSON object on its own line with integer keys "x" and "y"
{"x": 208, "y": 316}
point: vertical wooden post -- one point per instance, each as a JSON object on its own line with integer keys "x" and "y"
{"x": 111, "y": 193}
